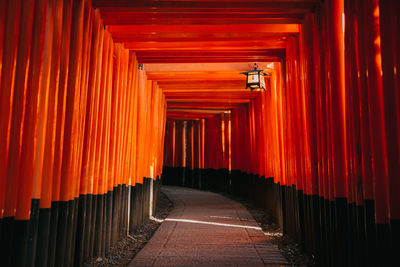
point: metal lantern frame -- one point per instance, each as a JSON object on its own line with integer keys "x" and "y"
{"x": 255, "y": 79}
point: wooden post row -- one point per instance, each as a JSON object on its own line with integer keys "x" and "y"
{"x": 323, "y": 135}
{"x": 73, "y": 120}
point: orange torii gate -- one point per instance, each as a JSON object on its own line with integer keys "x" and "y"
{"x": 87, "y": 131}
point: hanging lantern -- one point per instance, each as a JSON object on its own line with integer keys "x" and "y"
{"x": 255, "y": 79}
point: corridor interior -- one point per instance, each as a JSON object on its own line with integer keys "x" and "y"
{"x": 102, "y": 101}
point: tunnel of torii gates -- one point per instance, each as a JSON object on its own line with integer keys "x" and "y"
{"x": 102, "y": 100}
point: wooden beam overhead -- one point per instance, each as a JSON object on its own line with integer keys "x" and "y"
{"x": 211, "y": 94}
{"x": 195, "y": 75}
{"x": 204, "y": 70}
{"x": 271, "y": 55}
{"x": 197, "y": 110}
{"x": 270, "y": 43}
{"x": 204, "y": 105}
{"x": 132, "y": 37}
{"x": 211, "y": 53}
{"x": 214, "y": 101}
{"x": 185, "y": 29}
{"x": 195, "y": 18}
{"x": 201, "y": 84}
{"x": 208, "y": 4}
{"x": 196, "y": 50}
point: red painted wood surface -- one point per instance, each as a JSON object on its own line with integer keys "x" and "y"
{"x": 57, "y": 118}
{"x": 18, "y": 108}
{"x": 51, "y": 123}
{"x": 25, "y": 176}
{"x": 78, "y": 117}
{"x": 9, "y": 62}
{"x": 389, "y": 25}
{"x": 313, "y": 128}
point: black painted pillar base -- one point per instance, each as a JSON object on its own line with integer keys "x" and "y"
{"x": 146, "y": 198}
{"x": 6, "y": 239}
{"x": 383, "y": 243}
{"x": 115, "y": 215}
{"x": 61, "y": 235}
{"x": 54, "y": 214}
{"x": 92, "y": 226}
{"x": 109, "y": 212}
{"x": 132, "y": 215}
{"x": 370, "y": 229}
{"x": 33, "y": 233}
{"x": 98, "y": 236}
{"x": 88, "y": 227}
{"x": 20, "y": 243}
{"x": 316, "y": 228}
{"x": 43, "y": 237}
{"x": 361, "y": 249}
{"x": 395, "y": 248}
{"x": 342, "y": 235}
{"x": 80, "y": 231}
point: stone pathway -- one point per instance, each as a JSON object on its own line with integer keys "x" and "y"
{"x": 207, "y": 229}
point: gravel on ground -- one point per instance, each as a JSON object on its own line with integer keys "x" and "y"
{"x": 122, "y": 253}
{"x": 289, "y": 248}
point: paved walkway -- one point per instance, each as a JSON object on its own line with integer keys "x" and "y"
{"x": 207, "y": 229}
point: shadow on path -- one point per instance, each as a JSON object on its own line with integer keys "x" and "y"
{"x": 207, "y": 229}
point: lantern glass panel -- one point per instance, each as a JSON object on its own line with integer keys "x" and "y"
{"x": 253, "y": 77}
{"x": 262, "y": 81}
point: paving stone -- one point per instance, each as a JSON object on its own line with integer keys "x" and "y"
{"x": 207, "y": 229}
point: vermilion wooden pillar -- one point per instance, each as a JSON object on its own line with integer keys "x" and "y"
{"x": 376, "y": 105}
{"x": 60, "y": 102}
{"x": 105, "y": 159}
{"x": 36, "y": 233}
{"x": 70, "y": 136}
{"x": 179, "y": 143}
{"x": 263, "y": 124}
{"x": 60, "y": 120}
{"x": 109, "y": 158}
{"x": 389, "y": 25}
{"x": 3, "y": 7}
{"x": 140, "y": 140}
{"x": 134, "y": 122}
{"x": 18, "y": 99}
{"x": 90, "y": 43}
{"x": 235, "y": 140}
{"x": 25, "y": 176}
{"x": 9, "y": 35}
{"x": 168, "y": 151}
{"x": 130, "y": 115}
{"x": 213, "y": 149}
{"x": 114, "y": 149}
{"x": 278, "y": 77}
{"x": 101, "y": 150}
{"x": 14, "y": 85}
{"x": 359, "y": 172}
{"x": 309, "y": 107}
{"x": 44, "y": 233}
